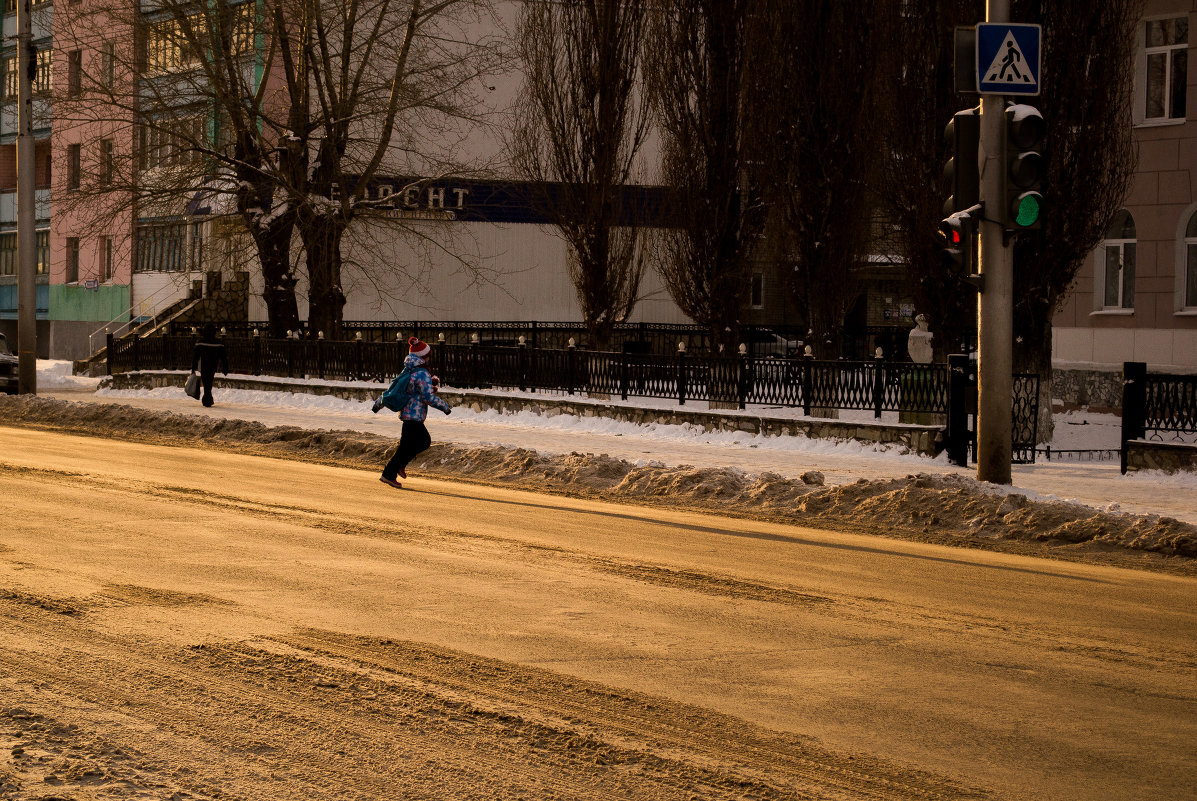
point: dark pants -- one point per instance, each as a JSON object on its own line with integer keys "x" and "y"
{"x": 412, "y": 441}
{"x": 206, "y": 379}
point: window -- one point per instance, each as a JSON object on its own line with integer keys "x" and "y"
{"x": 1191, "y": 263}
{"x": 170, "y": 142}
{"x": 757, "y": 291}
{"x": 166, "y": 49}
{"x": 75, "y": 73}
{"x": 1115, "y": 273}
{"x": 45, "y": 71}
{"x": 72, "y": 260}
{"x": 161, "y": 248}
{"x": 108, "y": 65}
{"x": 1167, "y": 42}
{"x": 106, "y": 163}
{"x": 8, "y": 254}
{"x": 195, "y": 260}
{"x": 42, "y": 245}
{"x": 9, "y": 68}
{"x": 106, "y": 266}
{"x": 73, "y": 166}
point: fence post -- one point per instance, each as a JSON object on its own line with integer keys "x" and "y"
{"x": 1134, "y": 404}
{"x": 572, "y": 364}
{"x": 523, "y": 363}
{"x": 742, "y": 372}
{"x": 623, "y": 371}
{"x": 475, "y": 383}
{"x": 878, "y": 382}
{"x": 360, "y": 367}
{"x": 257, "y": 365}
{"x": 681, "y": 373}
{"x": 136, "y": 353}
{"x": 808, "y": 380}
{"x": 958, "y": 391}
{"x": 320, "y": 346}
{"x": 108, "y": 353}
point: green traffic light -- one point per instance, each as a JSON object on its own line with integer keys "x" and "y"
{"x": 1029, "y": 207}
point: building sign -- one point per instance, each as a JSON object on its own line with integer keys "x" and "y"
{"x": 449, "y": 199}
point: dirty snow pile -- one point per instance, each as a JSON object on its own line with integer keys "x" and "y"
{"x": 932, "y": 508}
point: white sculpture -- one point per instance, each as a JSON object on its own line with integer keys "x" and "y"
{"x": 918, "y": 342}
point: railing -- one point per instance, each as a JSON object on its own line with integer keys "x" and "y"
{"x": 875, "y": 385}
{"x": 132, "y": 320}
{"x": 1157, "y": 407}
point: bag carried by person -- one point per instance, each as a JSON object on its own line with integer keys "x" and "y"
{"x": 397, "y": 394}
{"x": 192, "y": 387}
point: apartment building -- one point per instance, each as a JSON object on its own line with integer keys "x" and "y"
{"x": 1136, "y": 297}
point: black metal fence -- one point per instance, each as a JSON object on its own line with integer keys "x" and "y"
{"x": 876, "y": 385}
{"x": 1157, "y": 406}
{"x": 659, "y": 338}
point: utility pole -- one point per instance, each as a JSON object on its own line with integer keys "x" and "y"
{"x": 995, "y": 357}
{"x": 26, "y": 205}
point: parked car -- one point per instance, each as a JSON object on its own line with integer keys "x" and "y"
{"x": 763, "y": 342}
{"x": 9, "y": 374}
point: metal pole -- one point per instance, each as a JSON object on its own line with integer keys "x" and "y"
{"x": 26, "y": 207}
{"x": 996, "y": 313}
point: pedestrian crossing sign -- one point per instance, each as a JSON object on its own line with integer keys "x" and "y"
{"x": 1008, "y": 58}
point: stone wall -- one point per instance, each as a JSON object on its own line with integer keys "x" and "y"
{"x": 1100, "y": 390}
{"x": 1171, "y": 457}
{"x": 927, "y": 440}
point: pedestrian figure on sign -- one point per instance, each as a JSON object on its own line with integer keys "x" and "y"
{"x": 410, "y": 394}
{"x": 1010, "y": 62}
{"x": 208, "y": 355}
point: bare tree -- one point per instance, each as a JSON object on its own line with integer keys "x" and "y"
{"x": 813, "y": 104}
{"x": 582, "y": 122}
{"x": 699, "y": 83}
{"x": 1087, "y": 92}
{"x": 919, "y": 101}
{"x": 286, "y": 115}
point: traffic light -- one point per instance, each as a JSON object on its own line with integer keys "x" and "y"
{"x": 963, "y": 135}
{"x": 1023, "y": 165}
{"x": 959, "y": 246}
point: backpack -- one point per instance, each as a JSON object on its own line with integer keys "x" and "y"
{"x": 398, "y": 394}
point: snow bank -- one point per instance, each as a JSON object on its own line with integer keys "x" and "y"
{"x": 946, "y": 509}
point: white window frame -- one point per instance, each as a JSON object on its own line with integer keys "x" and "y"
{"x": 1100, "y": 275}
{"x": 106, "y": 265}
{"x": 1186, "y": 263}
{"x": 1143, "y": 52}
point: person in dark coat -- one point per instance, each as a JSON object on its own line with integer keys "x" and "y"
{"x": 209, "y": 354}
{"x": 420, "y": 393}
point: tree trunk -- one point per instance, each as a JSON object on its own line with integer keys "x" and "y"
{"x": 278, "y": 292}
{"x": 326, "y": 299}
{"x": 1033, "y": 354}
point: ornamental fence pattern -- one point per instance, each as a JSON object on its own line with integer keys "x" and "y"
{"x": 876, "y": 385}
{"x": 1157, "y": 407}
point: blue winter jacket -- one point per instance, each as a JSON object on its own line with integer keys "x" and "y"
{"x": 420, "y": 387}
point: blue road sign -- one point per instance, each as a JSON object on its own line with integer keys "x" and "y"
{"x": 1008, "y": 58}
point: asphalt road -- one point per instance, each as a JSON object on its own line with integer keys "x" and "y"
{"x": 216, "y": 625}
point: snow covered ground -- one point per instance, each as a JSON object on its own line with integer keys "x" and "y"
{"x": 1095, "y": 483}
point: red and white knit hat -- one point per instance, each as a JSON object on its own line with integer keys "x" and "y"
{"x": 417, "y": 348}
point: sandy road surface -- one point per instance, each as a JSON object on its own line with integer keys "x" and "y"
{"x": 178, "y": 623}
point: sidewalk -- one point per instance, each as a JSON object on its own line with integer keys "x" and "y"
{"x": 1098, "y": 484}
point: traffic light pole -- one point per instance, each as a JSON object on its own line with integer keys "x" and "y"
{"x": 26, "y": 208}
{"x": 996, "y": 302}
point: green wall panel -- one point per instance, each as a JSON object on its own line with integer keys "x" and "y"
{"x": 99, "y": 305}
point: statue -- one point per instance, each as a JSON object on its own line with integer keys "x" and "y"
{"x": 918, "y": 342}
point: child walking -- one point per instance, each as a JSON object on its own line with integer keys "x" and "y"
{"x": 412, "y": 399}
